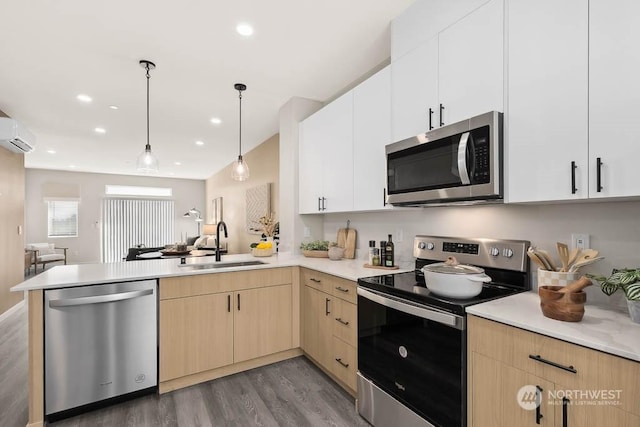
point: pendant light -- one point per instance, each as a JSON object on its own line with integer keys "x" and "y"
{"x": 147, "y": 162}
{"x": 240, "y": 170}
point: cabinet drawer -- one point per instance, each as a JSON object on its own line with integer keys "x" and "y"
{"x": 315, "y": 279}
{"x": 344, "y": 365}
{"x": 345, "y": 317}
{"x": 344, "y": 289}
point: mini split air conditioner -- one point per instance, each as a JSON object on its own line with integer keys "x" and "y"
{"x": 16, "y": 137}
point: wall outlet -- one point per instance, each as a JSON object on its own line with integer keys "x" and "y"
{"x": 307, "y": 232}
{"x": 580, "y": 241}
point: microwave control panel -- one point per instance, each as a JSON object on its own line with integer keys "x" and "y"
{"x": 481, "y": 169}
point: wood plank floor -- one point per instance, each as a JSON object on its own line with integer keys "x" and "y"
{"x": 289, "y": 393}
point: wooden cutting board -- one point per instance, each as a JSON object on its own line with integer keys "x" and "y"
{"x": 347, "y": 239}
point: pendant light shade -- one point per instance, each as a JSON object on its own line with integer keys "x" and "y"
{"x": 147, "y": 162}
{"x": 240, "y": 169}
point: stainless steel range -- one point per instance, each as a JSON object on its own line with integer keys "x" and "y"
{"x": 412, "y": 344}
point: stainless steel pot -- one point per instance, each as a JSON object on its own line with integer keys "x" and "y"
{"x": 454, "y": 281}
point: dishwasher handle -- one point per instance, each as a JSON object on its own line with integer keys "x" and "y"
{"x": 99, "y": 298}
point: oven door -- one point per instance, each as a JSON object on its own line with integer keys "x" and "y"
{"x": 413, "y": 355}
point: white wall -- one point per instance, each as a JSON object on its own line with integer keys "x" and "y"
{"x": 614, "y": 229}
{"x": 187, "y": 193}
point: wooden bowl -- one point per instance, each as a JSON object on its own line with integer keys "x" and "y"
{"x": 567, "y": 307}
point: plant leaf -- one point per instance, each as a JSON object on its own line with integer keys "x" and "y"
{"x": 628, "y": 278}
{"x": 609, "y": 288}
{"x": 632, "y": 291}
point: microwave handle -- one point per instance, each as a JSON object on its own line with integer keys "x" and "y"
{"x": 463, "y": 170}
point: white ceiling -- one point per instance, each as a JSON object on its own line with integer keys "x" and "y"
{"x": 53, "y": 50}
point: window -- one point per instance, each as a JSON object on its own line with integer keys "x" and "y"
{"x": 127, "y": 223}
{"x": 62, "y": 218}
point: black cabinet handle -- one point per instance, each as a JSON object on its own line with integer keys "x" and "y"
{"x": 315, "y": 280}
{"x": 539, "y": 415}
{"x": 441, "y": 108}
{"x": 573, "y": 178}
{"x": 326, "y": 307}
{"x": 238, "y": 302}
{"x": 229, "y": 303}
{"x": 384, "y": 197}
{"x": 599, "y": 174}
{"x": 319, "y": 208}
{"x": 339, "y": 360}
{"x": 324, "y": 208}
{"x": 339, "y": 319}
{"x": 430, "y": 117}
{"x": 537, "y": 358}
{"x": 565, "y": 412}
{"x": 341, "y": 289}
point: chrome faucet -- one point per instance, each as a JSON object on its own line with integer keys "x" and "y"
{"x": 224, "y": 227}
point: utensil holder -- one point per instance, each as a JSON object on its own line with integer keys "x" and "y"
{"x": 556, "y": 278}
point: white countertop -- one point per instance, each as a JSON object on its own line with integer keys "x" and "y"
{"x": 62, "y": 276}
{"x": 601, "y": 328}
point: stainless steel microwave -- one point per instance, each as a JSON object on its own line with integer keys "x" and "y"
{"x": 455, "y": 163}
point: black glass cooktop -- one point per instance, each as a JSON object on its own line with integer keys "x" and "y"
{"x": 411, "y": 286}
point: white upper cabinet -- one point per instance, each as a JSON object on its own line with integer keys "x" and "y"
{"x": 414, "y": 92}
{"x": 326, "y": 158}
{"x": 454, "y": 76}
{"x": 371, "y": 132}
{"x": 423, "y": 20}
{"x": 470, "y": 64}
{"x": 614, "y": 98}
{"x": 546, "y": 121}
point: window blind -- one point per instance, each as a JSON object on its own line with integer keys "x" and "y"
{"x": 127, "y": 223}
{"x": 62, "y": 218}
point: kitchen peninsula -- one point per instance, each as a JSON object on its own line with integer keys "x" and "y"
{"x": 199, "y": 341}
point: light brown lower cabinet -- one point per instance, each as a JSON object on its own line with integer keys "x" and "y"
{"x": 205, "y": 331}
{"x": 329, "y": 325}
{"x": 576, "y": 386}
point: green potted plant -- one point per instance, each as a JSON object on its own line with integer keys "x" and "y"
{"x": 628, "y": 281}
{"x": 316, "y": 249}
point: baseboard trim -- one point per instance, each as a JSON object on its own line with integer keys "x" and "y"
{"x": 201, "y": 377}
{"x": 11, "y": 310}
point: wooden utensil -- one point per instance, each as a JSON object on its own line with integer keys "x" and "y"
{"x": 576, "y": 286}
{"x": 585, "y": 255}
{"x": 577, "y": 265}
{"x": 546, "y": 258}
{"x": 536, "y": 260}
{"x": 349, "y": 243}
{"x": 573, "y": 256}
{"x": 563, "y": 254}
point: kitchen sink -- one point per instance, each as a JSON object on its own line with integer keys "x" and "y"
{"x": 205, "y": 266}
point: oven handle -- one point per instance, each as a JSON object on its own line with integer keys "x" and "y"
{"x": 406, "y": 307}
{"x": 463, "y": 170}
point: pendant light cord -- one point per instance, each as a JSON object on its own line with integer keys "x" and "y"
{"x": 240, "y": 126}
{"x": 148, "y": 147}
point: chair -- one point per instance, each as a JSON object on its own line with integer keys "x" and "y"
{"x": 45, "y": 253}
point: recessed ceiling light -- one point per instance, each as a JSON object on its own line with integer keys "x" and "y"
{"x": 244, "y": 29}
{"x": 100, "y": 130}
{"x": 84, "y": 98}
{"x": 72, "y": 166}
{"x": 216, "y": 120}
{"x": 177, "y": 163}
{"x": 51, "y": 151}
{"x": 199, "y": 143}
{"x": 171, "y": 173}
{"x": 113, "y": 107}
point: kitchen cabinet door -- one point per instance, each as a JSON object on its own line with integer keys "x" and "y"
{"x": 371, "y": 132}
{"x": 310, "y": 164}
{"x": 614, "y": 100}
{"x": 471, "y": 64}
{"x": 547, "y": 120}
{"x": 337, "y": 156}
{"x": 326, "y": 158}
{"x": 317, "y": 328}
{"x": 262, "y": 322}
{"x": 414, "y": 90}
{"x": 196, "y": 334}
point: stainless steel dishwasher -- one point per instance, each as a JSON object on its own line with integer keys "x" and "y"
{"x": 100, "y": 342}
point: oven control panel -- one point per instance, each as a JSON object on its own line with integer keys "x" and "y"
{"x": 496, "y": 253}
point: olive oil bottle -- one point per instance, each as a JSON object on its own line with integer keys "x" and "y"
{"x": 389, "y": 253}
